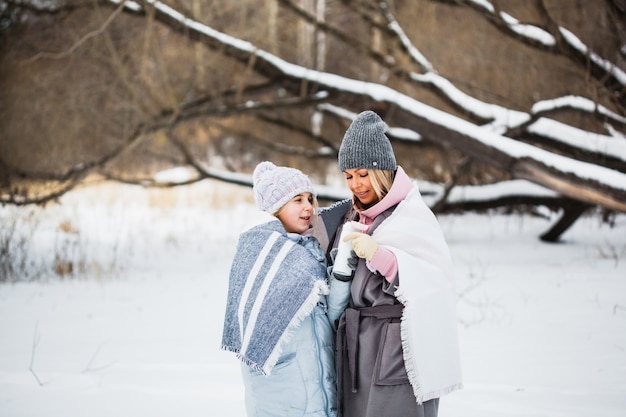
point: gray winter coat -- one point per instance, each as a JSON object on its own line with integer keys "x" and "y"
{"x": 372, "y": 380}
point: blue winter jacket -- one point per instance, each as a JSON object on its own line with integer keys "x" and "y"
{"x": 303, "y": 381}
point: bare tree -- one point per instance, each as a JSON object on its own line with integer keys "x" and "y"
{"x": 518, "y": 91}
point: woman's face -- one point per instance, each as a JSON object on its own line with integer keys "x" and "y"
{"x": 359, "y": 183}
{"x": 297, "y": 213}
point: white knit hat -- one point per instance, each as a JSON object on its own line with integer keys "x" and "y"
{"x": 275, "y": 186}
{"x": 365, "y": 145}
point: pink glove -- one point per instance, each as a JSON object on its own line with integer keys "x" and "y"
{"x": 363, "y": 244}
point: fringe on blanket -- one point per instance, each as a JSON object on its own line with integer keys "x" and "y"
{"x": 409, "y": 362}
{"x": 320, "y": 287}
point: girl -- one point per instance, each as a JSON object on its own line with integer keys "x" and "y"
{"x": 397, "y": 342}
{"x": 279, "y": 320}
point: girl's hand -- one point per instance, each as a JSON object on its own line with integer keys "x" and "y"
{"x": 363, "y": 244}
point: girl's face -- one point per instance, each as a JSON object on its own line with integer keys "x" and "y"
{"x": 296, "y": 215}
{"x": 359, "y": 183}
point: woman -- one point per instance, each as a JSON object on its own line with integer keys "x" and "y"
{"x": 397, "y": 341}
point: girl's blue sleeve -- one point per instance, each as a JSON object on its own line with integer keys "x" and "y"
{"x": 338, "y": 298}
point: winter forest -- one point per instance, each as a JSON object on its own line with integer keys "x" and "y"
{"x": 129, "y": 131}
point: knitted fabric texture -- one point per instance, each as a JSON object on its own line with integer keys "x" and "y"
{"x": 274, "y": 284}
{"x": 274, "y": 186}
{"x": 365, "y": 145}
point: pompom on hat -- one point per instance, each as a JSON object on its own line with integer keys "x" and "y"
{"x": 274, "y": 186}
{"x": 365, "y": 145}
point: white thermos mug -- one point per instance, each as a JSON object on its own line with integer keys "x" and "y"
{"x": 341, "y": 265}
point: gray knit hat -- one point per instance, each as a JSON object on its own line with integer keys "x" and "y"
{"x": 274, "y": 186}
{"x": 365, "y": 145}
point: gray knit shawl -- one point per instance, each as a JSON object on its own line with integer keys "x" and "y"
{"x": 274, "y": 284}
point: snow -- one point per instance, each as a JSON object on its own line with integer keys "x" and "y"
{"x": 576, "y": 102}
{"x": 498, "y": 190}
{"x": 175, "y": 175}
{"x": 592, "y": 142}
{"x": 501, "y": 116}
{"x": 486, "y": 135}
{"x": 138, "y": 332}
{"x": 529, "y": 31}
{"x": 608, "y": 66}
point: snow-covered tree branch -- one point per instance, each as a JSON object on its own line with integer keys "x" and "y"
{"x": 518, "y": 92}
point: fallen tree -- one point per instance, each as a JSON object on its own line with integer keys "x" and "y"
{"x": 532, "y": 145}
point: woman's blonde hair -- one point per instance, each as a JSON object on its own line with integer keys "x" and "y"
{"x": 381, "y": 180}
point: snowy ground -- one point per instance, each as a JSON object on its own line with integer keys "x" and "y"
{"x": 542, "y": 327}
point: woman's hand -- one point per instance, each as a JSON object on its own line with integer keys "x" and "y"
{"x": 363, "y": 244}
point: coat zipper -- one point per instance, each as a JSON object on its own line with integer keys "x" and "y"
{"x": 319, "y": 364}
